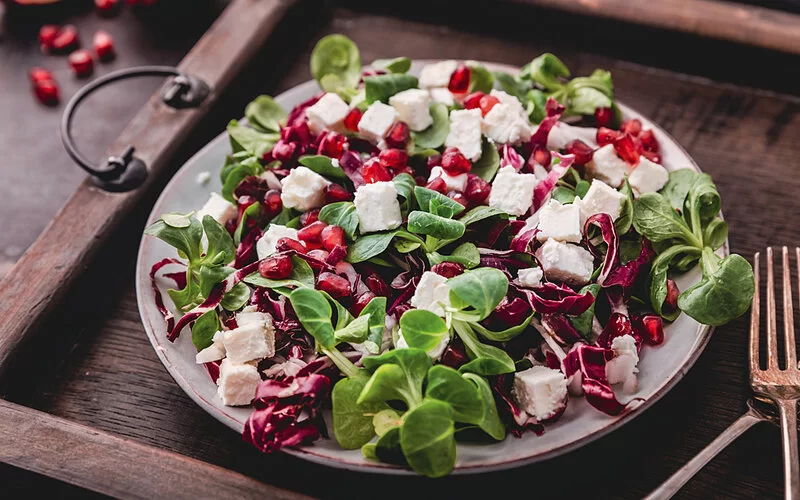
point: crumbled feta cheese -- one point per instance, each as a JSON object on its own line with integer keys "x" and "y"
{"x": 327, "y": 113}
{"x": 252, "y": 339}
{"x": 377, "y": 207}
{"x": 432, "y": 293}
{"x": 540, "y": 391}
{"x": 214, "y": 352}
{"x": 465, "y": 132}
{"x": 265, "y": 246}
{"x": 288, "y": 368}
{"x": 303, "y": 189}
{"x": 413, "y": 107}
{"x": 453, "y": 182}
{"x": 622, "y": 368}
{"x": 647, "y": 177}
{"x": 562, "y": 133}
{"x": 220, "y": 209}
{"x": 237, "y": 383}
{"x": 203, "y": 177}
{"x": 437, "y": 74}
{"x": 442, "y": 96}
{"x": 607, "y": 166}
{"x": 504, "y": 125}
{"x": 600, "y": 199}
{"x": 530, "y": 277}
{"x": 565, "y": 262}
{"x": 434, "y": 353}
{"x": 512, "y": 192}
{"x": 559, "y": 222}
{"x": 376, "y": 121}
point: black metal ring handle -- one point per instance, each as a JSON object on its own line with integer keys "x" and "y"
{"x": 126, "y": 171}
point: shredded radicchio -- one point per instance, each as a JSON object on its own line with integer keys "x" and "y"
{"x": 543, "y": 189}
{"x": 563, "y": 330}
{"x": 165, "y": 312}
{"x": 551, "y": 298}
{"x": 554, "y": 111}
{"x": 510, "y": 157}
{"x": 280, "y": 406}
{"x": 589, "y": 363}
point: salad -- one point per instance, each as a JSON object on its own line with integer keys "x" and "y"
{"x": 439, "y": 258}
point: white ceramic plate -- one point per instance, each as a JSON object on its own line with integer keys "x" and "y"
{"x": 660, "y": 367}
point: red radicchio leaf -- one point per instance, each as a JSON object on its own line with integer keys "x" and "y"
{"x": 212, "y": 368}
{"x": 554, "y": 111}
{"x": 246, "y": 251}
{"x": 609, "y": 233}
{"x": 511, "y": 311}
{"x": 298, "y": 114}
{"x": 590, "y": 362}
{"x": 546, "y": 185}
{"x": 510, "y": 157}
{"x": 159, "y": 300}
{"x": 523, "y": 239}
{"x": 625, "y": 275}
{"x": 564, "y": 332}
{"x": 274, "y": 424}
{"x": 351, "y": 164}
{"x": 551, "y": 298}
{"x": 518, "y": 419}
{"x": 455, "y": 354}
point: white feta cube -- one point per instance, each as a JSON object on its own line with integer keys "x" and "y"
{"x": 530, "y": 277}
{"x": 453, "y": 182}
{"x": 376, "y": 121}
{"x": 252, "y": 340}
{"x": 432, "y": 293}
{"x": 303, "y": 189}
{"x": 265, "y": 246}
{"x": 504, "y": 125}
{"x": 437, "y": 74}
{"x": 237, "y": 384}
{"x": 563, "y": 133}
{"x": 442, "y": 96}
{"x": 560, "y": 222}
{"x": 220, "y": 209}
{"x": 214, "y": 352}
{"x": 600, "y": 199}
{"x": 377, "y": 207}
{"x": 434, "y": 353}
{"x": 465, "y": 132}
{"x": 540, "y": 391}
{"x": 647, "y": 177}
{"x": 413, "y": 107}
{"x": 512, "y": 192}
{"x": 607, "y": 166}
{"x": 565, "y": 262}
{"x": 622, "y": 368}
{"x": 327, "y": 114}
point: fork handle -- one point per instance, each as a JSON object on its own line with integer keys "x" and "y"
{"x": 791, "y": 467}
{"x": 685, "y": 473}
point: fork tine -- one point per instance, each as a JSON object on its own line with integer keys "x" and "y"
{"x": 791, "y": 345}
{"x": 788, "y": 312}
{"x": 772, "y": 328}
{"x": 755, "y": 315}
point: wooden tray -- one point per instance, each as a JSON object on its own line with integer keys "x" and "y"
{"x": 108, "y": 418}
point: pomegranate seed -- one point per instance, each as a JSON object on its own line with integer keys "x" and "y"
{"x": 47, "y": 34}
{"x": 398, "y": 135}
{"x": 606, "y": 136}
{"x": 335, "y": 192}
{"x": 66, "y": 39}
{"x": 373, "y": 171}
{"x": 352, "y": 119}
{"x": 582, "y": 151}
{"x": 671, "y": 301}
{"x": 331, "y": 237}
{"x": 106, "y": 7}
{"x": 652, "y": 329}
{"x": 284, "y": 151}
{"x": 459, "y": 80}
{"x": 459, "y": 197}
{"x": 334, "y": 284}
{"x": 318, "y": 254}
{"x": 393, "y": 158}
{"x": 448, "y": 269}
{"x": 603, "y": 116}
{"x": 332, "y": 145}
{"x": 242, "y": 203}
{"x": 337, "y": 255}
{"x": 473, "y": 100}
{"x": 361, "y": 302}
{"x": 286, "y": 244}
{"x": 377, "y": 285}
{"x": 477, "y": 190}
{"x": 309, "y": 217}
{"x": 434, "y": 161}
{"x": 487, "y": 103}
{"x": 273, "y": 205}
{"x": 626, "y": 149}
{"x": 649, "y": 141}
{"x": 81, "y": 62}
{"x": 455, "y": 163}
{"x": 311, "y": 233}
{"x": 47, "y": 92}
{"x": 276, "y": 268}
{"x": 103, "y": 46}
{"x": 633, "y": 127}
{"x": 438, "y": 185}
{"x": 542, "y": 156}
{"x": 38, "y": 75}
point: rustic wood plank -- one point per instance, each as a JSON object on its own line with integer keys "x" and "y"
{"x": 734, "y": 22}
{"x": 115, "y": 466}
{"x": 87, "y": 219}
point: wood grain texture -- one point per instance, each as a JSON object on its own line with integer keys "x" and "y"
{"x": 115, "y": 466}
{"x": 739, "y": 23}
{"x": 87, "y": 219}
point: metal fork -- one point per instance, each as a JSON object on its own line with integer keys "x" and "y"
{"x": 781, "y": 386}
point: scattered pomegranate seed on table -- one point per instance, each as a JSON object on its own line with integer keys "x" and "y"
{"x": 47, "y": 92}
{"x": 106, "y": 7}
{"x": 38, "y": 75}
{"x": 81, "y": 62}
{"x": 47, "y": 34}
{"x": 103, "y": 45}
{"x": 65, "y": 40}
{"x": 459, "y": 80}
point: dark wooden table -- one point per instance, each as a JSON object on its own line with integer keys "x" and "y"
{"x": 728, "y": 105}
